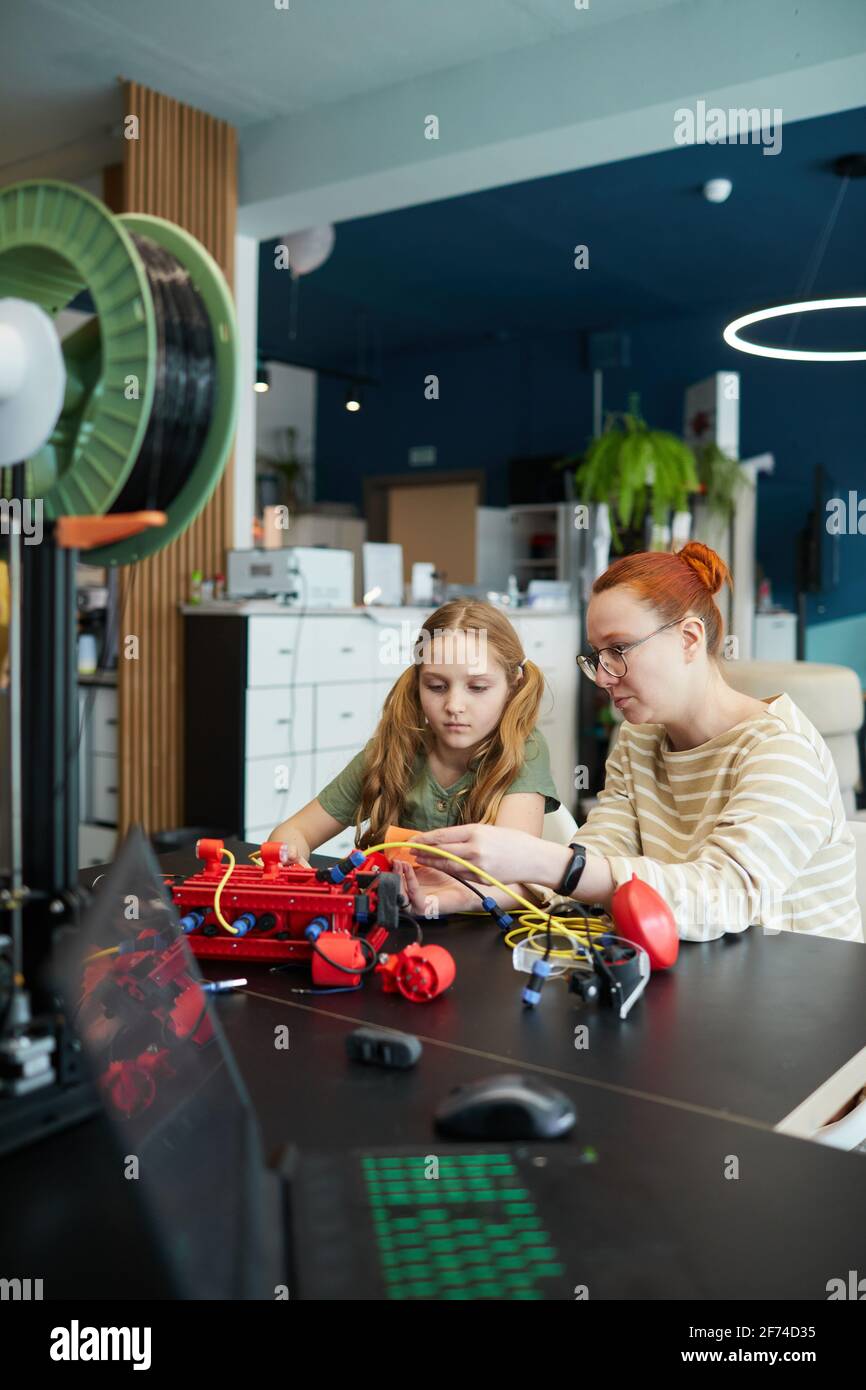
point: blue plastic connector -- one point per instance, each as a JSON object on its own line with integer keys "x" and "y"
{"x": 315, "y": 928}
{"x": 532, "y": 992}
{"x": 498, "y": 913}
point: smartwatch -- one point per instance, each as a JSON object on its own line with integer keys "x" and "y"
{"x": 576, "y": 865}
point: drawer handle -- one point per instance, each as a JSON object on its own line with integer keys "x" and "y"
{"x": 285, "y": 651}
{"x": 349, "y": 714}
{"x": 111, "y": 721}
{"x": 112, "y": 791}
{"x": 284, "y": 721}
{"x": 347, "y": 650}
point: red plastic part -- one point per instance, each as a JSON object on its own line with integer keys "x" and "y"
{"x": 643, "y": 917}
{"x": 345, "y": 951}
{"x": 211, "y": 852}
{"x": 274, "y": 854}
{"x": 157, "y": 983}
{"x": 420, "y": 973}
{"x": 131, "y": 1084}
{"x": 293, "y": 896}
{"x": 376, "y": 861}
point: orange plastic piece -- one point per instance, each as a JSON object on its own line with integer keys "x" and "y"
{"x": 88, "y": 532}
{"x": 396, "y": 833}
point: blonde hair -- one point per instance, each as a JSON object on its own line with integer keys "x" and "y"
{"x": 402, "y": 733}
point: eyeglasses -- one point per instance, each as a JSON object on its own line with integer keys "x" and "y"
{"x": 612, "y": 659}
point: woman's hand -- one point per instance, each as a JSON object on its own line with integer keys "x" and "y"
{"x": 432, "y": 893}
{"x": 512, "y": 856}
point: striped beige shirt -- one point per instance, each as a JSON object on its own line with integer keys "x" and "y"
{"x": 747, "y": 829}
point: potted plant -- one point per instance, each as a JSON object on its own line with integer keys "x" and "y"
{"x": 630, "y": 467}
{"x": 721, "y": 478}
{"x": 288, "y": 467}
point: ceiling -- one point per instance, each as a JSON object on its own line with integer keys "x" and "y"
{"x": 244, "y": 62}
{"x": 498, "y": 264}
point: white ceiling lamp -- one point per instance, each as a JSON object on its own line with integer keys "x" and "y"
{"x": 794, "y": 354}
{"x": 717, "y": 190}
{"x": 848, "y": 167}
{"x": 310, "y": 248}
{"x": 307, "y": 251}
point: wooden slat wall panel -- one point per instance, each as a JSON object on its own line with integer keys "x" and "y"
{"x": 182, "y": 167}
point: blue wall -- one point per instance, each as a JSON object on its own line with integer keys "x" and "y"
{"x": 532, "y": 396}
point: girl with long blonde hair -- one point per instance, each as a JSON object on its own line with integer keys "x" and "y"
{"x": 456, "y": 743}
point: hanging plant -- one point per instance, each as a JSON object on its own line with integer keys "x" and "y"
{"x": 631, "y": 467}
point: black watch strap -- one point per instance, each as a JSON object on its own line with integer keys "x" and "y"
{"x": 576, "y": 865}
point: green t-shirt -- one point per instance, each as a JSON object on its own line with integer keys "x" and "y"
{"x": 428, "y": 805}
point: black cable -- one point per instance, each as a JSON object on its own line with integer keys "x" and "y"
{"x": 412, "y": 921}
{"x": 549, "y": 947}
{"x": 472, "y": 888}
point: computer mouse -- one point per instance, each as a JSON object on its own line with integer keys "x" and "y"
{"x": 505, "y": 1107}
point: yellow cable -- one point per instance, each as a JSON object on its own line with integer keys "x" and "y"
{"x": 109, "y": 951}
{"x": 218, "y": 894}
{"x": 538, "y": 917}
{"x": 534, "y": 918}
{"x": 522, "y": 935}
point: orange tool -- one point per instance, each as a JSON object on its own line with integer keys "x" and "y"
{"x": 396, "y": 833}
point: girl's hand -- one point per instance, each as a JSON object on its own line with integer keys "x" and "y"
{"x": 431, "y": 893}
{"x": 296, "y": 853}
{"x": 512, "y": 856}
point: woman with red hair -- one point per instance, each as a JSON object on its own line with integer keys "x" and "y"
{"x": 728, "y": 806}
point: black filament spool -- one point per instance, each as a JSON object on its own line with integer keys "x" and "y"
{"x": 184, "y": 385}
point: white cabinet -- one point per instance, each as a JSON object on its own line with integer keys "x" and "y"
{"x": 104, "y": 721}
{"x": 96, "y": 845}
{"x": 276, "y": 787}
{"x": 104, "y": 789}
{"x": 338, "y": 649}
{"x": 98, "y": 773}
{"x": 279, "y": 720}
{"x": 273, "y": 654}
{"x": 552, "y": 642}
{"x": 346, "y": 714}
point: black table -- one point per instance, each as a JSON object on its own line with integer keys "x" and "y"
{"x": 748, "y": 1026}
{"x": 713, "y": 1056}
